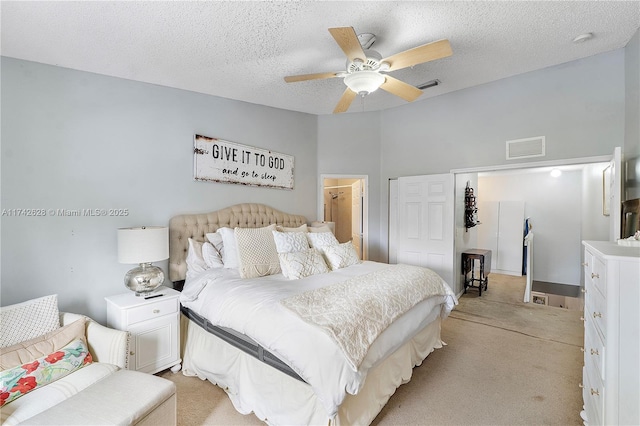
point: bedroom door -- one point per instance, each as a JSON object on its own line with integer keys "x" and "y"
{"x": 426, "y": 223}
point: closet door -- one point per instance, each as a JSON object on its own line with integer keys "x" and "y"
{"x": 510, "y": 237}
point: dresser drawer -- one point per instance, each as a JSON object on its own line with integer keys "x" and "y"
{"x": 153, "y": 310}
{"x": 593, "y": 397}
{"x": 594, "y": 349}
{"x": 598, "y": 275}
{"x": 595, "y": 309}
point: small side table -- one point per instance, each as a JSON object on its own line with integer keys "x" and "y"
{"x": 154, "y": 324}
{"x": 468, "y": 262}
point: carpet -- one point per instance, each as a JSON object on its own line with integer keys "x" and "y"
{"x": 505, "y": 363}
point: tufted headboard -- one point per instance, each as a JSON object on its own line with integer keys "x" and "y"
{"x": 246, "y": 215}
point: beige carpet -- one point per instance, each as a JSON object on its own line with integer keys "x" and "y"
{"x": 506, "y": 363}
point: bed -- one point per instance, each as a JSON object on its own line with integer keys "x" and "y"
{"x": 269, "y": 342}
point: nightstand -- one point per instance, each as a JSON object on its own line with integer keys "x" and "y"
{"x": 154, "y": 324}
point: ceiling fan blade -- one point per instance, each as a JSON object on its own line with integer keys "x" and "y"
{"x": 418, "y": 55}
{"x": 305, "y": 77}
{"x": 348, "y": 41}
{"x": 345, "y": 101}
{"x": 399, "y": 88}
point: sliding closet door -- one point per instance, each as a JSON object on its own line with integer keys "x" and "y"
{"x": 426, "y": 223}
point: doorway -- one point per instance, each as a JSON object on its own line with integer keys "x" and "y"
{"x": 343, "y": 204}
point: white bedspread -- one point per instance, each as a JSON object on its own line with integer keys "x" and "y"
{"x": 252, "y": 307}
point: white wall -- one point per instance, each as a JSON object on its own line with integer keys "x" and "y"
{"x": 631, "y": 152}
{"x": 73, "y": 140}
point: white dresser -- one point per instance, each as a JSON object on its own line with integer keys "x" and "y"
{"x": 154, "y": 323}
{"x": 611, "y": 373}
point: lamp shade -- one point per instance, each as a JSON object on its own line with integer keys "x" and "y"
{"x": 146, "y": 244}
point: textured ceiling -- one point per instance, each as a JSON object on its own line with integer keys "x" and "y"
{"x": 242, "y": 50}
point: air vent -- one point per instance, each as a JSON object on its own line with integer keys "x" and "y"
{"x": 525, "y": 148}
{"x": 428, "y": 84}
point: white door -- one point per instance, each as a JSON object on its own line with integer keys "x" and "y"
{"x": 426, "y": 223}
{"x": 356, "y": 217}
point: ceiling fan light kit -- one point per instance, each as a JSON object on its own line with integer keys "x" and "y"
{"x": 364, "y": 66}
{"x": 364, "y": 82}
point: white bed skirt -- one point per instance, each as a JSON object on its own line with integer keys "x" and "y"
{"x": 279, "y": 399}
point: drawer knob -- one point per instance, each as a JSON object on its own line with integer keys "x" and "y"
{"x": 583, "y": 290}
{"x": 580, "y": 385}
{"x": 585, "y": 263}
{"x": 582, "y": 319}
{"x": 597, "y": 315}
{"x": 581, "y": 349}
{"x": 594, "y": 352}
{"x": 595, "y": 392}
{"x": 132, "y": 353}
{"x": 156, "y": 311}
{"x": 595, "y": 275}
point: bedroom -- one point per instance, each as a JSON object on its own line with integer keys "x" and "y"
{"x": 73, "y": 139}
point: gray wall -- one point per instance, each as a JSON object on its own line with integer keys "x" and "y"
{"x": 73, "y": 140}
{"x": 631, "y": 151}
{"x": 579, "y": 106}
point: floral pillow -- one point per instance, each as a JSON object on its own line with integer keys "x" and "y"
{"x": 20, "y": 380}
{"x": 287, "y": 242}
{"x": 341, "y": 256}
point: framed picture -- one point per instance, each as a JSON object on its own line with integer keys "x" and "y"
{"x": 606, "y": 190}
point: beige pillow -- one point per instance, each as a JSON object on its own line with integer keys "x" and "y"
{"x": 322, "y": 228}
{"x": 257, "y": 252}
{"x": 30, "y": 350}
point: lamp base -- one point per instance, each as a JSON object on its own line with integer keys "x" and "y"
{"x": 144, "y": 278}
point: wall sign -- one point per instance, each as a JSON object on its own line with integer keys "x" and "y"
{"x": 218, "y": 160}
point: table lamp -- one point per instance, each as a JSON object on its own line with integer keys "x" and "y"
{"x": 143, "y": 245}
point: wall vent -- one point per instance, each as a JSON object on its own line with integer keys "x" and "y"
{"x": 526, "y": 148}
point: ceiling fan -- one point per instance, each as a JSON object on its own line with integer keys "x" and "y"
{"x": 365, "y": 67}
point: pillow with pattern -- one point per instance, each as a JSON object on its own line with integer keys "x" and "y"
{"x": 342, "y": 255}
{"x": 320, "y": 240}
{"x": 22, "y": 379}
{"x": 257, "y": 252}
{"x": 27, "y": 320}
{"x": 300, "y": 264}
{"x": 287, "y": 242}
{"x": 301, "y": 228}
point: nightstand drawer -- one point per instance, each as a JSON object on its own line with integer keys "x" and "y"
{"x": 153, "y": 310}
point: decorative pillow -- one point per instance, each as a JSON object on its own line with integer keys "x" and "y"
{"x": 30, "y": 350}
{"x": 320, "y": 240}
{"x": 286, "y": 242}
{"x": 230, "y": 252}
{"x": 323, "y": 228}
{"x": 257, "y": 252}
{"x": 26, "y": 320}
{"x": 20, "y": 380}
{"x": 341, "y": 256}
{"x": 211, "y": 256}
{"x": 301, "y": 228}
{"x": 300, "y": 264}
{"x": 195, "y": 261}
{"x": 216, "y": 239}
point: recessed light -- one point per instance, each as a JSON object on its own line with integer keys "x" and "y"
{"x": 583, "y": 37}
{"x": 556, "y": 173}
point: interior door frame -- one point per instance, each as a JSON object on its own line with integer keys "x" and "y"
{"x": 365, "y": 204}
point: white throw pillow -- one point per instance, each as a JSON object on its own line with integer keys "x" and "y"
{"x": 322, "y": 228}
{"x": 287, "y": 242}
{"x": 26, "y": 320}
{"x": 257, "y": 252}
{"x": 195, "y": 261}
{"x": 230, "y": 252}
{"x": 216, "y": 239}
{"x": 301, "y": 228}
{"x": 300, "y": 264}
{"x": 320, "y": 240}
{"x": 211, "y": 256}
{"x": 341, "y": 256}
